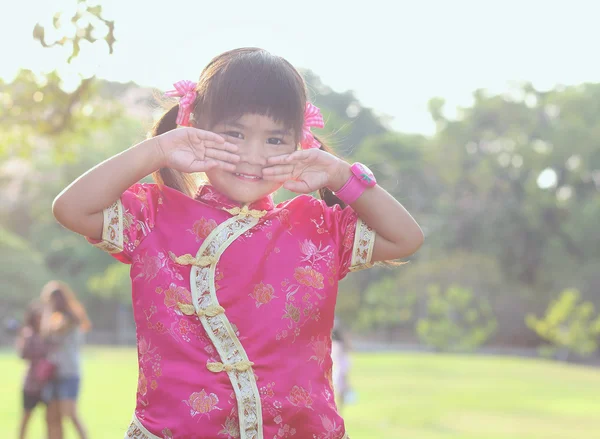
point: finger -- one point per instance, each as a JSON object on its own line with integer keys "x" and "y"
{"x": 200, "y": 166}
{"x": 227, "y": 146}
{"x": 297, "y": 156}
{"x": 278, "y": 169}
{"x": 221, "y": 155}
{"x": 300, "y": 187}
{"x": 277, "y": 160}
{"x": 207, "y": 165}
{"x": 279, "y": 177}
{"x": 203, "y": 135}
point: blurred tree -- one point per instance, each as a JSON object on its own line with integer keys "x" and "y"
{"x": 114, "y": 283}
{"x": 39, "y": 109}
{"x": 31, "y": 181}
{"x": 513, "y": 182}
{"x": 347, "y": 121}
{"x": 69, "y": 29}
{"x": 521, "y": 178}
{"x": 22, "y": 270}
{"x": 456, "y": 319}
{"x": 570, "y": 325}
{"x": 386, "y": 308}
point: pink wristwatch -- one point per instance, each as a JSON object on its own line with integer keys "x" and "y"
{"x": 361, "y": 179}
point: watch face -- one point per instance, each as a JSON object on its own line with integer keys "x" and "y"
{"x": 364, "y": 174}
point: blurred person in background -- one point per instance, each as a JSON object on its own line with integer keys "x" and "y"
{"x": 64, "y": 322}
{"x": 33, "y": 348}
{"x": 340, "y": 355}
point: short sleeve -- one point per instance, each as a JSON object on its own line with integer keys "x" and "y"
{"x": 354, "y": 238}
{"x": 129, "y": 221}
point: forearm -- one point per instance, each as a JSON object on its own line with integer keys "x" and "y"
{"x": 398, "y": 234}
{"x": 392, "y": 223}
{"x": 21, "y": 345}
{"x": 79, "y": 207}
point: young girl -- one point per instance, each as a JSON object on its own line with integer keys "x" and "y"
{"x": 33, "y": 348}
{"x": 234, "y": 296}
{"x": 63, "y": 323}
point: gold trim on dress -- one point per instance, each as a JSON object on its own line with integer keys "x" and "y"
{"x": 362, "y": 250}
{"x": 234, "y": 360}
{"x": 112, "y": 229}
{"x": 246, "y": 211}
{"x": 137, "y": 431}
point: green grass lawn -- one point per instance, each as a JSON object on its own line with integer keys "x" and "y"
{"x": 415, "y": 396}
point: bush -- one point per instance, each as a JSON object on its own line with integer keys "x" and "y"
{"x": 456, "y": 320}
{"x": 570, "y": 326}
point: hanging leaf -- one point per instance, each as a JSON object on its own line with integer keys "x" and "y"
{"x": 56, "y": 20}
{"x": 38, "y": 33}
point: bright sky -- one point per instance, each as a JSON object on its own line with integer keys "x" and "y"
{"x": 395, "y": 55}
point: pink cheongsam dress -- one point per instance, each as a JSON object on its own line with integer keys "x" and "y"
{"x": 234, "y": 309}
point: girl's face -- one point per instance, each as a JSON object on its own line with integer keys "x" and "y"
{"x": 58, "y": 302}
{"x": 258, "y": 138}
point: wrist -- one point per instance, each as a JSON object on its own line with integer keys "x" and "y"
{"x": 154, "y": 153}
{"x": 340, "y": 176}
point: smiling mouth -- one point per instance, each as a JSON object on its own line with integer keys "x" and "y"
{"x": 248, "y": 177}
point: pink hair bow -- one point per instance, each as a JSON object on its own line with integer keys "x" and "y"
{"x": 312, "y": 119}
{"x": 186, "y": 90}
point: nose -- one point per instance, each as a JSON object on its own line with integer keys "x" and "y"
{"x": 253, "y": 152}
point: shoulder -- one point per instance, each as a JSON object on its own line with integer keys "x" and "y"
{"x": 141, "y": 195}
{"x": 304, "y": 203}
{"x": 145, "y": 188}
{"x": 150, "y": 197}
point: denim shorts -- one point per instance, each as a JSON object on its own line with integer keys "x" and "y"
{"x": 61, "y": 389}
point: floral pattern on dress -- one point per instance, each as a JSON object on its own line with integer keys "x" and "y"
{"x": 321, "y": 347}
{"x": 150, "y": 370}
{"x": 300, "y": 397}
{"x": 174, "y": 295}
{"x": 303, "y": 298}
{"x": 278, "y": 280}
{"x": 202, "y": 228}
{"x": 202, "y": 403}
{"x": 150, "y": 266}
{"x": 263, "y": 294}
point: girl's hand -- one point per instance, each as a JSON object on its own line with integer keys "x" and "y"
{"x": 193, "y": 150}
{"x": 307, "y": 171}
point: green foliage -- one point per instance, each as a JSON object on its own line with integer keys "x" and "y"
{"x": 34, "y": 174}
{"x": 493, "y": 226}
{"x": 113, "y": 283}
{"x": 425, "y": 295}
{"x": 22, "y": 271}
{"x": 456, "y": 320}
{"x": 570, "y": 325}
{"x": 39, "y": 116}
{"x": 518, "y": 173}
{"x": 474, "y": 271}
{"x": 385, "y": 306}
{"x": 90, "y": 26}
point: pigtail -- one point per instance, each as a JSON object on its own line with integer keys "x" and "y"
{"x": 179, "y": 181}
{"x": 325, "y": 194}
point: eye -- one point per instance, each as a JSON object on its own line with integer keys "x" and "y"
{"x": 234, "y": 134}
{"x": 274, "y": 141}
